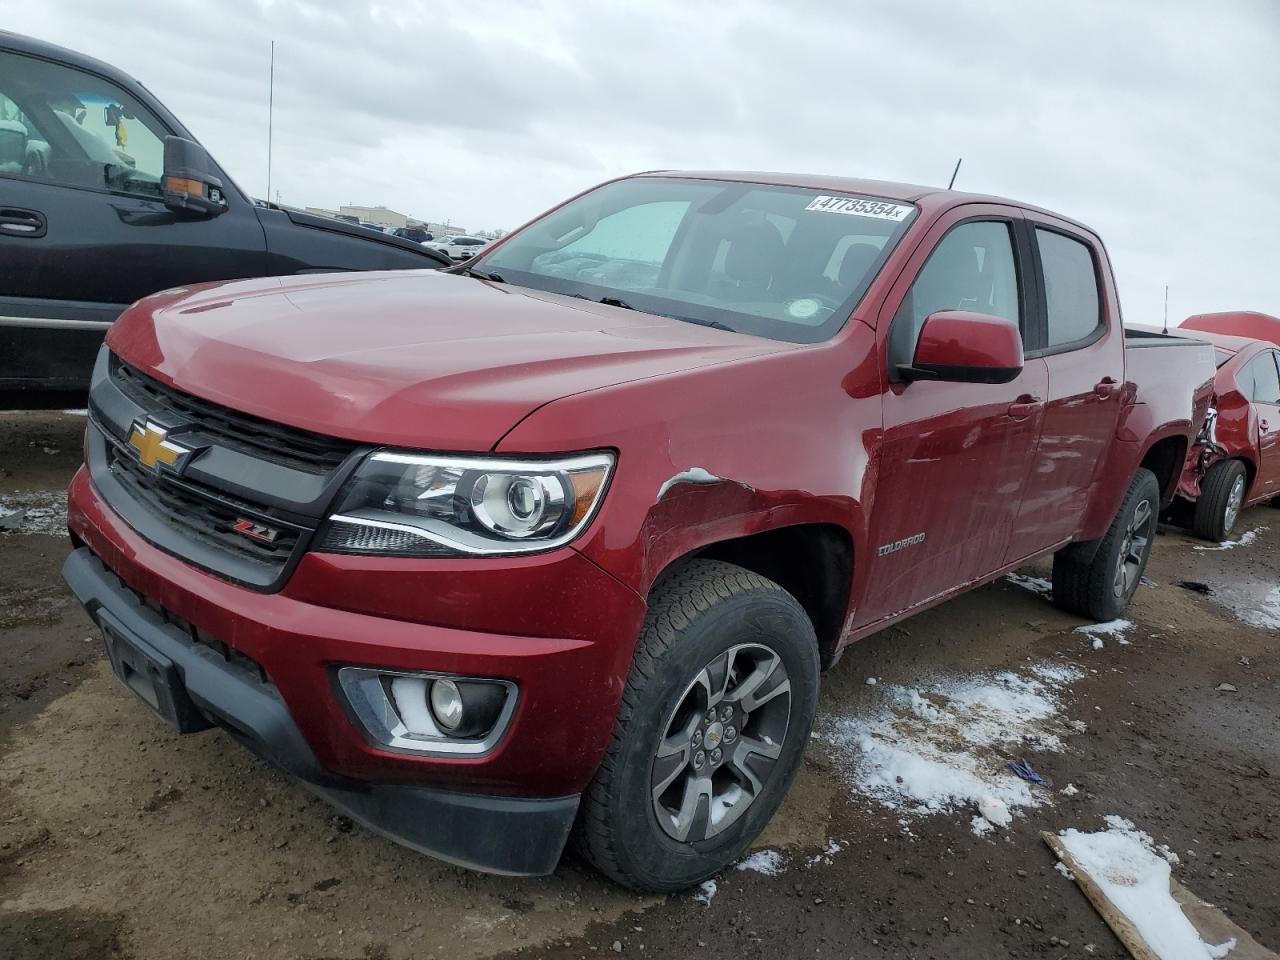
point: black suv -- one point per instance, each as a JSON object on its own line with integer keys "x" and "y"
{"x": 105, "y": 197}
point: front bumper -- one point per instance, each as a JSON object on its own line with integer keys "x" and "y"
{"x": 507, "y": 810}
{"x": 520, "y": 837}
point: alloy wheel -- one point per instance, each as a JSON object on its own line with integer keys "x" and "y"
{"x": 721, "y": 742}
{"x": 1134, "y": 547}
{"x": 1235, "y": 500}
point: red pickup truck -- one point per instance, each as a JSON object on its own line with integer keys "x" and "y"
{"x": 559, "y": 541}
{"x": 1236, "y": 460}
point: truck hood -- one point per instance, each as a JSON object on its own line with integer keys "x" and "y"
{"x": 407, "y": 358}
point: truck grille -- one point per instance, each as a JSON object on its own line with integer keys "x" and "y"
{"x": 212, "y": 521}
{"x": 299, "y": 449}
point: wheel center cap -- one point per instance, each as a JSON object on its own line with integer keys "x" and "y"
{"x": 714, "y": 735}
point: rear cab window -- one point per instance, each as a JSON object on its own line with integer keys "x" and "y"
{"x": 1072, "y": 298}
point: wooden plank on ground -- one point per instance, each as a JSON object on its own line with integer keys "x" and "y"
{"x": 1212, "y": 924}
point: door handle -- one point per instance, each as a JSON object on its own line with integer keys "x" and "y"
{"x": 22, "y": 223}
{"x": 1024, "y": 407}
{"x": 1105, "y": 387}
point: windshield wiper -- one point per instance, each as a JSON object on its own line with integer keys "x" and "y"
{"x": 473, "y": 272}
{"x": 616, "y": 302}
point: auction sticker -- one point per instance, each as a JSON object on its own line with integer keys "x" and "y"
{"x": 877, "y": 209}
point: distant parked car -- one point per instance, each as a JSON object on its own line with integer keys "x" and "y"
{"x": 459, "y": 248}
{"x": 1236, "y": 460}
{"x": 106, "y": 198}
{"x": 416, "y": 234}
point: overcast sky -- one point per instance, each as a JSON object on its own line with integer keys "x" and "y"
{"x": 1157, "y": 122}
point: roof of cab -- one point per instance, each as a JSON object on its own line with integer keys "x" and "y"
{"x": 890, "y": 190}
{"x": 20, "y": 43}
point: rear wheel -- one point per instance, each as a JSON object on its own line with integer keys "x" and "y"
{"x": 1221, "y": 500}
{"x": 1099, "y": 586}
{"x": 712, "y": 726}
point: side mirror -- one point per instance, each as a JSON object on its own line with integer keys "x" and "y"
{"x": 965, "y": 347}
{"x": 190, "y": 184}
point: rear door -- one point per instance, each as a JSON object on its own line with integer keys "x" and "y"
{"x": 1266, "y": 407}
{"x": 83, "y": 228}
{"x": 955, "y": 456}
{"x": 1083, "y": 346}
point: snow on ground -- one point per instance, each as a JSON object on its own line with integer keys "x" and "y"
{"x": 1243, "y": 541}
{"x": 768, "y": 862}
{"x": 828, "y": 852}
{"x": 706, "y": 892}
{"x": 1134, "y": 875}
{"x": 45, "y": 511}
{"x": 1113, "y": 629}
{"x": 945, "y": 746}
{"x": 1037, "y": 585}
{"x": 1266, "y": 615}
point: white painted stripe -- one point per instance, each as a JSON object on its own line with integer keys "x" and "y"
{"x": 54, "y": 323}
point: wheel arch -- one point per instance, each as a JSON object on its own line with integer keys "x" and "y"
{"x": 1165, "y": 458}
{"x": 814, "y": 562}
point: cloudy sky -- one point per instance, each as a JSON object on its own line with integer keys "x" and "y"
{"x": 1155, "y": 121}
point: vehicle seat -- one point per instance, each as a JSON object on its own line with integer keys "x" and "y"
{"x": 13, "y": 146}
{"x": 755, "y": 253}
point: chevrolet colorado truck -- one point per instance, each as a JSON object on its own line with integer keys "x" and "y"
{"x": 558, "y": 542}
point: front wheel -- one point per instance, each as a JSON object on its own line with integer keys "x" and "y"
{"x": 714, "y": 719}
{"x": 1099, "y": 586}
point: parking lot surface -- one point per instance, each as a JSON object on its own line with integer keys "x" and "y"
{"x": 119, "y": 838}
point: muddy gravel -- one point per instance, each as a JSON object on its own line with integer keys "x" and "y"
{"x": 119, "y": 838}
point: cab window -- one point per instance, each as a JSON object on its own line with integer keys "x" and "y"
{"x": 1072, "y": 304}
{"x": 64, "y": 126}
{"x": 972, "y": 268}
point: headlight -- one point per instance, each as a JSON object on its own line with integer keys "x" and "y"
{"x": 436, "y": 506}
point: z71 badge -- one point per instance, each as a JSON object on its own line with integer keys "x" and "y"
{"x": 902, "y": 544}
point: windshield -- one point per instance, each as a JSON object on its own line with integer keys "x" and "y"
{"x": 778, "y": 262}
{"x": 1221, "y": 356}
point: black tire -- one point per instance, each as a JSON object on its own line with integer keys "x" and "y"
{"x": 1222, "y": 493}
{"x": 705, "y": 613}
{"x": 1088, "y": 582}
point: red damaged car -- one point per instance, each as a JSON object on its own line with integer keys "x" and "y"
{"x": 560, "y": 540}
{"x": 1236, "y": 461}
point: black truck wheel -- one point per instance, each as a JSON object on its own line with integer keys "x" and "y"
{"x": 1099, "y": 583}
{"x": 1221, "y": 500}
{"x": 714, "y": 719}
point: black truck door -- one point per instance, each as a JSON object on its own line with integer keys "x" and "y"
{"x": 83, "y": 227}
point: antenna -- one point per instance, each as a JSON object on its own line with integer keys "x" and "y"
{"x": 1166, "y": 309}
{"x": 271, "y": 98}
{"x": 954, "y": 172}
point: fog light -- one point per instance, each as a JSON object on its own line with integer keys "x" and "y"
{"x": 446, "y": 703}
{"x": 429, "y": 713}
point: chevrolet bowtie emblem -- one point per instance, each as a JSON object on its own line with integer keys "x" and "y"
{"x": 154, "y": 448}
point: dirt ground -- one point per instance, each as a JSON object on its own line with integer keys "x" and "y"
{"x": 121, "y": 839}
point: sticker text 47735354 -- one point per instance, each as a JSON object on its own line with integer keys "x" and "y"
{"x": 877, "y": 209}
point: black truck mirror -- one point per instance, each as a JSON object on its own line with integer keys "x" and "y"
{"x": 190, "y": 185}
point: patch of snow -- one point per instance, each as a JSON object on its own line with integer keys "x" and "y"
{"x": 948, "y": 751}
{"x": 1264, "y": 616}
{"x": 706, "y": 892}
{"x": 1038, "y": 585}
{"x": 871, "y": 681}
{"x": 1070, "y": 790}
{"x": 981, "y": 826}
{"x": 76, "y": 413}
{"x": 1062, "y": 869}
{"x": 768, "y": 862}
{"x": 1242, "y": 541}
{"x": 1112, "y": 628}
{"x": 46, "y": 511}
{"x": 1133, "y": 874}
{"x": 994, "y": 811}
{"x": 828, "y": 852}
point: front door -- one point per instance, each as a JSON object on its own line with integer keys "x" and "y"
{"x": 83, "y": 227}
{"x": 954, "y": 456}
